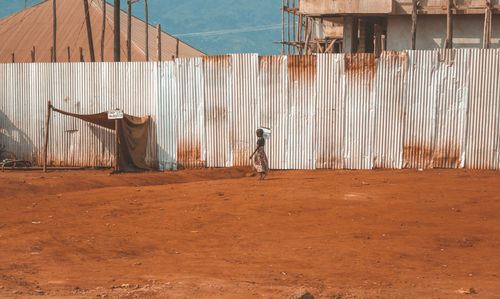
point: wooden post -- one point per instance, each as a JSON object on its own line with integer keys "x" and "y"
{"x": 329, "y": 49}
{"x": 13, "y": 57}
{"x": 51, "y": 54}
{"x": 293, "y": 16}
{"x": 449, "y": 26}
{"x": 116, "y": 145}
{"x": 158, "y": 37}
{"x": 176, "y": 47}
{"x": 89, "y": 30}
{"x": 377, "y": 42}
{"x": 320, "y": 48}
{"x": 69, "y": 54}
{"x": 282, "y": 27}
{"x": 299, "y": 34}
{"x": 147, "y": 29}
{"x": 54, "y": 31}
{"x": 116, "y": 20}
{"x": 82, "y": 59}
{"x": 103, "y": 31}
{"x": 308, "y": 36}
{"x": 414, "y": 13}
{"x": 487, "y": 25}
{"x": 33, "y": 53}
{"x": 288, "y": 25}
{"x": 383, "y": 42}
{"x": 129, "y": 30}
{"x": 46, "y": 140}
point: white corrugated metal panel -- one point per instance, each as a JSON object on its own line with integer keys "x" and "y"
{"x": 330, "y": 111}
{"x": 218, "y": 110}
{"x": 168, "y": 113}
{"x": 419, "y": 129}
{"x": 273, "y": 103}
{"x": 483, "y": 117}
{"x": 190, "y": 105}
{"x": 302, "y": 112}
{"x": 450, "y": 80}
{"x": 392, "y": 69}
{"x": 360, "y": 110}
{"x": 245, "y": 106}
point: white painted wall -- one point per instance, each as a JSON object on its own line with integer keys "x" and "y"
{"x": 431, "y": 32}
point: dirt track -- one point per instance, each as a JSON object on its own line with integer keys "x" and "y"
{"x": 219, "y": 233}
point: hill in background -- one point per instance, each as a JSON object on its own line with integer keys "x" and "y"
{"x": 214, "y": 27}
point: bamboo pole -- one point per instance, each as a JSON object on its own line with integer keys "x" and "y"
{"x": 414, "y": 13}
{"x": 82, "y": 59}
{"x": 69, "y": 54}
{"x": 116, "y": 20}
{"x": 449, "y": 26}
{"x": 51, "y": 54}
{"x": 147, "y": 29}
{"x": 487, "y": 32}
{"x": 299, "y": 34}
{"x": 176, "y": 47}
{"x": 329, "y": 49}
{"x": 89, "y": 30}
{"x": 54, "y": 31}
{"x": 129, "y": 30}
{"x": 13, "y": 57}
{"x": 308, "y": 36}
{"x": 46, "y": 140}
{"x": 158, "y": 37}
{"x": 33, "y": 54}
{"x": 103, "y": 31}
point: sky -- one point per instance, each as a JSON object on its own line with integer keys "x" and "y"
{"x": 212, "y": 26}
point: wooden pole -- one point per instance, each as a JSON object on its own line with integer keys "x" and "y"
{"x": 320, "y": 48}
{"x": 33, "y": 53}
{"x": 293, "y": 16}
{"x": 158, "y": 37}
{"x": 299, "y": 35}
{"x": 147, "y": 29}
{"x": 176, "y": 47}
{"x": 82, "y": 59}
{"x": 487, "y": 32}
{"x": 329, "y": 49}
{"x": 414, "y": 13}
{"x": 116, "y": 145}
{"x": 13, "y": 57}
{"x": 282, "y": 27}
{"x": 116, "y": 20}
{"x": 288, "y": 25}
{"x": 449, "y": 26}
{"x": 51, "y": 54}
{"x": 54, "y": 31}
{"x": 69, "y": 54}
{"x": 383, "y": 42}
{"x": 46, "y": 140}
{"x": 129, "y": 30}
{"x": 308, "y": 36}
{"x": 89, "y": 30}
{"x": 103, "y": 31}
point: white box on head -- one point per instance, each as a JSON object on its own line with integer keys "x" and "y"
{"x": 267, "y": 132}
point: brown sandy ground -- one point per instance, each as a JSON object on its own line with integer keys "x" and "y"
{"x": 222, "y": 234}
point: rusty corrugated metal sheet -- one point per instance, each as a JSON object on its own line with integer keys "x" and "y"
{"x": 359, "y": 120}
{"x": 274, "y": 108}
{"x": 218, "y": 110}
{"x": 302, "y": 112}
{"x": 483, "y": 117}
{"x": 330, "y": 113}
{"x": 415, "y": 109}
{"x": 245, "y": 106}
{"x": 390, "y": 95}
{"x": 189, "y": 102}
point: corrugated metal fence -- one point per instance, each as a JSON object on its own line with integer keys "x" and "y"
{"x": 414, "y": 109}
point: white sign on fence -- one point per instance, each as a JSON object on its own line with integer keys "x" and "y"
{"x": 115, "y": 114}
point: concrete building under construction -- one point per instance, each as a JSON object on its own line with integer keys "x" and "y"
{"x": 371, "y": 26}
{"x": 28, "y": 35}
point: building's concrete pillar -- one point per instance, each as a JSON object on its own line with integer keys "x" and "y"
{"x": 350, "y": 42}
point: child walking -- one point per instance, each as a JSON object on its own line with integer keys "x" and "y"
{"x": 259, "y": 157}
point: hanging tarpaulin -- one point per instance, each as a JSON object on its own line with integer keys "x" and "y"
{"x": 133, "y": 133}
